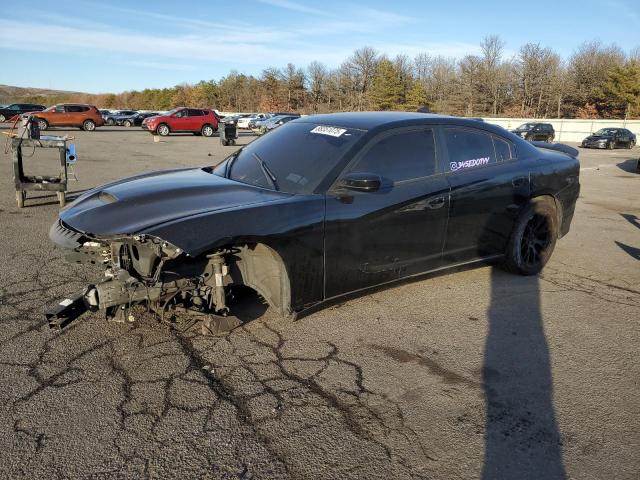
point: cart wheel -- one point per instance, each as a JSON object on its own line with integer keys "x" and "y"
{"x": 61, "y": 198}
{"x": 20, "y": 196}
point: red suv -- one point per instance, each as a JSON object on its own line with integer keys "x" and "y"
{"x": 196, "y": 120}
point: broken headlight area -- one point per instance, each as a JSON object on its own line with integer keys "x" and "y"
{"x": 142, "y": 269}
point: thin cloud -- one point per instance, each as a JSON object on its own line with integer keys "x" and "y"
{"x": 296, "y": 7}
{"x": 162, "y": 65}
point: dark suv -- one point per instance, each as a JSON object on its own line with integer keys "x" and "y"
{"x": 610, "y": 138}
{"x": 536, "y": 131}
{"x": 14, "y": 109}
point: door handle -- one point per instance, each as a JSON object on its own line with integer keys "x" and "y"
{"x": 434, "y": 203}
{"x": 518, "y": 182}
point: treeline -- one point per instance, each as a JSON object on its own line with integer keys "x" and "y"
{"x": 597, "y": 81}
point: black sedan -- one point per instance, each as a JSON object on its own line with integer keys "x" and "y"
{"x": 115, "y": 117}
{"x": 322, "y": 207}
{"x": 135, "y": 120}
{"x": 610, "y": 138}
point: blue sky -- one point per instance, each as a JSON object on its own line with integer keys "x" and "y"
{"x": 112, "y": 46}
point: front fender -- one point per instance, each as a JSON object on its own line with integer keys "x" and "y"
{"x": 293, "y": 227}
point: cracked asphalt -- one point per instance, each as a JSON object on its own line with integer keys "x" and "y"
{"x": 469, "y": 374}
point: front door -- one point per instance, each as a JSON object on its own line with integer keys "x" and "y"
{"x": 180, "y": 121}
{"x": 488, "y": 189}
{"x": 375, "y": 237}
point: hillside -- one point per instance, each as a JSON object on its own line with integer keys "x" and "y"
{"x": 10, "y": 93}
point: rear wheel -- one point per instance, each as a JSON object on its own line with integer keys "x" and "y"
{"x": 127, "y": 123}
{"x": 88, "y": 125}
{"x": 43, "y": 124}
{"x": 207, "y": 131}
{"x": 110, "y": 121}
{"x": 533, "y": 238}
{"x": 630, "y": 145}
{"x": 611, "y": 145}
{"x": 163, "y": 130}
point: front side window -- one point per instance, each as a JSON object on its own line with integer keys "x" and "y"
{"x": 403, "y": 155}
{"x": 468, "y": 149}
{"x": 295, "y": 158}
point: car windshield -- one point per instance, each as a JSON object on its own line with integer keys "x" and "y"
{"x": 526, "y": 126}
{"x": 605, "y": 131}
{"x": 294, "y": 158}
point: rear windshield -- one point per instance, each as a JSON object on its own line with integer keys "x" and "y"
{"x": 297, "y": 157}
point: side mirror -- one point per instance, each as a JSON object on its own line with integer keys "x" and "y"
{"x": 361, "y": 182}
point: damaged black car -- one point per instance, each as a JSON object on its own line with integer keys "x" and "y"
{"x": 325, "y": 206}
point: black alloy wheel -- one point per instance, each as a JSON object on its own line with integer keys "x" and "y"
{"x": 535, "y": 240}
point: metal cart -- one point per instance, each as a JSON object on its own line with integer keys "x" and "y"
{"x": 228, "y": 133}
{"x": 25, "y": 183}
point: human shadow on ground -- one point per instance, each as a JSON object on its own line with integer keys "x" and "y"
{"x": 522, "y": 439}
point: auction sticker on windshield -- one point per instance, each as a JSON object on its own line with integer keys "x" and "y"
{"x": 332, "y": 131}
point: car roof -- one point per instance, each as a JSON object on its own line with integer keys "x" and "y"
{"x": 375, "y": 120}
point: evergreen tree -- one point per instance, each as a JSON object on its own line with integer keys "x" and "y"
{"x": 386, "y": 92}
{"x": 417, "y": 97}
{"x": 623, "y": 86}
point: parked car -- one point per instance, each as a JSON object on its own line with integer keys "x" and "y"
{"x": 85, "y": 117}
{"x": 114, "y": 117}
{"x": 136, "y": 119}
{"x": 275, "y": 122}
{"x": 536, "y": 131}
{"x": 199, "y": 121}
{"x": 246, "y": 121}
{"x": 9, "y": 111}
{"x": 105, "y": 113}
{"x": 371, "y": 200}
{"x": 610, "y": 138}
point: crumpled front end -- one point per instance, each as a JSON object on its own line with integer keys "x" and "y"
{"x": 139, "y": 269}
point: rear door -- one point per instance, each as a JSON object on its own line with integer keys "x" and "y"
{"x": 196, "y": 118}
{"x": 376, "y": 237}
{"x": 488, "y": 188}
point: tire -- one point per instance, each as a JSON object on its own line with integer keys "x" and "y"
{"x": 163, "y": 130}
{"x": 207, "y": 130}
{"x": 88, "y": 125}
{"x": 533, "y": 238}
{"x": 630, "y": 145}
{"x": 2, "y": 118}
{"x": 43, "y": 124}
{"x": 610, "y": 145}
{"x": 109, "y": 121}
{"x": 127, "y": 123}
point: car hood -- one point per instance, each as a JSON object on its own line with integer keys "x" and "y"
{"x": 593, "y": 138}
{"x": 134, "y": 204}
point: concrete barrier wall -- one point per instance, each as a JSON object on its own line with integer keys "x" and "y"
{"x": 569, "y": 130}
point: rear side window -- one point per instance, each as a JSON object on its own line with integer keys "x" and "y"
{"x": 468, "y": 149}
{"x": 503, "y": 150}
{"x": 76, "y": 108}
{"x": 195, "y": 113}
{"x": 404, "y": 155}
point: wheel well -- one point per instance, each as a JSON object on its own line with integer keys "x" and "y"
{"x": 260, "y": 267}
{"x": 552, "y": 200}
